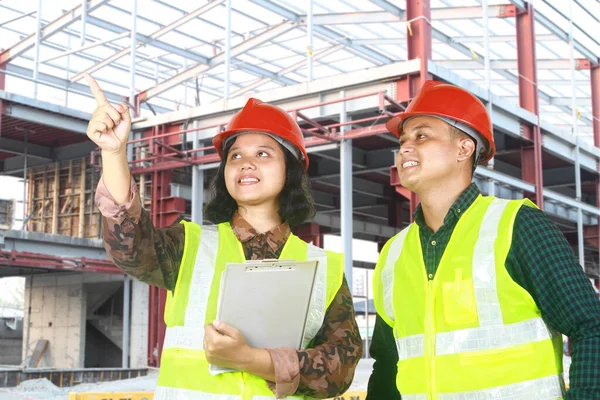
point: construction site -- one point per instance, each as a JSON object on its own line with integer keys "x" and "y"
{"x": 341, "y": 68}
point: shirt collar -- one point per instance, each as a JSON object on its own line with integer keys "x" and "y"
{"x": 464, "y": 201}
{"x": 276, "y": 236}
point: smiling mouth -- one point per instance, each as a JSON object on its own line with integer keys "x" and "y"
{"x": 248, "y": 180}
{"x": 409, "y": 164}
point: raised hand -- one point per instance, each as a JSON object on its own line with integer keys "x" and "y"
{"x": 110, "y": 125}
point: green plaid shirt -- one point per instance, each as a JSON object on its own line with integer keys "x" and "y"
{"x": 542, "y": 262}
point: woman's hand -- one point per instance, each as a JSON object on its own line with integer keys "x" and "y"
{"x": 226, "y": 347}
{"x": 110, "y": 125}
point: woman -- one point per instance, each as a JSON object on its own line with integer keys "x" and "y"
{"x": 261, "y": 190}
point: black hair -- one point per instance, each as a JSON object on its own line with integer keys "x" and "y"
{"x": 296, "y": 204}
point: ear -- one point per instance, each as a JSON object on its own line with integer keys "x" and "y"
{"x": 466, "y": 147}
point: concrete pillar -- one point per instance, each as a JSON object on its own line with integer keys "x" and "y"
{"x": 138, "y": 350}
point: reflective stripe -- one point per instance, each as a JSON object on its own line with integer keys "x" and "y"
{"x": 489, "y": 311}
{"x": 491, "y": 337}
{"x": 387, "y": 274}
{"x": 549, "y": 388}
{"x": 415, "y": 397}
{"x": 318, "y": 301}
{"x": 183, "y": 337}
{"x": 410, "y": 347}
{"x": 191, "y": 335}
{"x": 169, "y": 393}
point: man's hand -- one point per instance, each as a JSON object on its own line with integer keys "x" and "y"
{"x": 110, "y": 125}
{"x": 226, "y": 347}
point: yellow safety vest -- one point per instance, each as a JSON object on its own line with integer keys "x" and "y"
{"x": 471, "y": 332}
{"x": 184, "y": 373}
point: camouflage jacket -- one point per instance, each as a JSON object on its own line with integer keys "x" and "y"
{"x": 153, "y": 256}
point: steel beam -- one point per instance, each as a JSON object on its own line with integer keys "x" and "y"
{"x": 50, "y": 29}
{"x": 560, "y": 101}
{"x": 19, "y": 148}
{"x": 258, "y": 83}
{"x": 368, "y": 17}
{"x": 360, "y": 51}
{"x": 8, "y": 21}
{"x": 502, "y": 38}
{"x": 531, "y": 157}
{"x": 555, "y": 29}
{"x": 2, "y": 85}
{"x": 557, "y": 64}
{"x": 217, "y": 60}
{"x": 57, "y": 82}
{"x": 595, "y": 93}
{"x": 346, "y": 192}
{"x": 47, "y": 118}
{"x": 419, "y": 45}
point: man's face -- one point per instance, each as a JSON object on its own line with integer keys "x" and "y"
{"x": 428, "y": 153}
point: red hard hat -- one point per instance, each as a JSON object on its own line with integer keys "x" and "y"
{"x": 257, "y": 116}
{"x": 439, "y": 99}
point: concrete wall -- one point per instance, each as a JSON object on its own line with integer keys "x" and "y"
{"x": 58, "y": 307}
{"x": 138, "y": 356}
{"x": 58, "y": 314}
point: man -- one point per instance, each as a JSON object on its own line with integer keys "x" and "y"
{"x": 472, "y": 297}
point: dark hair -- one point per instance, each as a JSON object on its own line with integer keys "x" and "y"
{"x": 296, "y": 204}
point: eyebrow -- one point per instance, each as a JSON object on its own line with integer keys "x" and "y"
{"x": 260, "y": 147}
{"x": 427, "y": 126}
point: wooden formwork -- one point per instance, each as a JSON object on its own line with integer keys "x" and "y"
{"x": 61, "y": 199}
{"x": 7, "y": 213}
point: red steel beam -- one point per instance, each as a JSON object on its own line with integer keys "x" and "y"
{"x": 595, "y": 95}
{"x": 24, "y": 259}
{"x": 419, "y": 44}
{"x": 531, "y": 156}
{"x": 2, "y": 85}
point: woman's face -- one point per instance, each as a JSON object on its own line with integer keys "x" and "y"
{"x": 255, "y": 170}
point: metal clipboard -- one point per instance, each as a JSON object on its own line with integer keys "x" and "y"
{"x": 268, "y": 300}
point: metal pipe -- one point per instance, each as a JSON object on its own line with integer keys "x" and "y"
{"x": 84, "y": 14}
{"x": 133, "y": 52}
{"x": 488, "y": 82}
{"x": 89, "y": 46}
{"x": 227, "y": 49}
{"x": 25, "y": 181}
{"x": 580, "y": 239}
{"x": 367, "y": 314}
{"x": 309, "y": 36}
{"x": 27, "y": 333}
{"x": 16, "y": 18}
{"x": 346, "y": 194}
{"x": 126, "y": 319}
{"x": 67, "y": 72}
{"x": 36, "y": 60}
{"x": 197, "y": 180}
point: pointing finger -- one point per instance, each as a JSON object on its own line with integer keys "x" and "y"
{"x": 96, "y": 91}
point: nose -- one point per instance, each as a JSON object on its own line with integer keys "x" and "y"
{"x": 247, "y": 165}
{"x": 407, "y": 148}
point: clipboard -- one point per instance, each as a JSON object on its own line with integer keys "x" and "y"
{"x": 267, "y": 301}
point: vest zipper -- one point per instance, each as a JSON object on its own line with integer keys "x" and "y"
{"x": 430, "y": 339}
